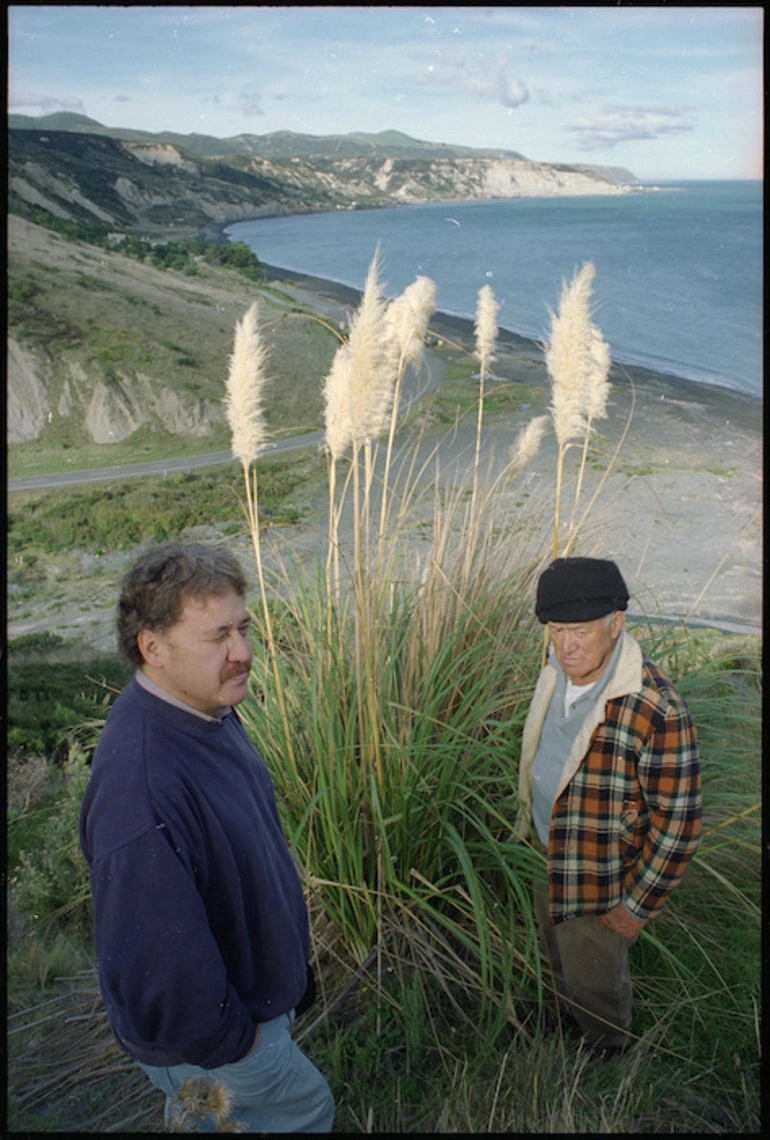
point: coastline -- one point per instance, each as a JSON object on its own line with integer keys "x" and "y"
{"x": 682, "y": 510}
{"x": 741, "y": 406}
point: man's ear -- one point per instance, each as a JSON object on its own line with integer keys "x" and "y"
{"x": 149, "y": 645}
{"x": 618, "y": 621}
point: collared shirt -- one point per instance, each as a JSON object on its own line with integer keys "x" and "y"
{"x": 149, "y": 685}
{"x": 569, "y": 707}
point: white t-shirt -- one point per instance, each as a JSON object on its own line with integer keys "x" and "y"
{"x": 573, "y": 693}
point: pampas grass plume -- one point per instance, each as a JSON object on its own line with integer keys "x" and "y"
{"x": 486, "y": 325}
{"x": 339, "y": 430}
{"x": 527, "y": 442}
{"x": 371, "y": 378}
{"x": 568, "y": 356}
{"x": 597, "y": 381}
{"x": 406, "y": 322}
{"x": 244, "y": 389}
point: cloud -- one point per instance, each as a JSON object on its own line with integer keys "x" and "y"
{"x": 616, "y": 125}
{"x": 497, "y": 83}
{"x": 247, "y": 103}
{"x": 250, "y": 103}
{"x": 32, "y": 103}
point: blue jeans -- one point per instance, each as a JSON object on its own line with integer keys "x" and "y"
{"x": 275, "y": 1088}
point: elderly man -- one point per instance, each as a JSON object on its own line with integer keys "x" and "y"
{"x": 201, "y": 927}
{"x": 609, "y": 787}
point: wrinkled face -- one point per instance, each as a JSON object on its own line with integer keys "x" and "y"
{"x": 584, "y": 648}
{"x": 205, "y": 658}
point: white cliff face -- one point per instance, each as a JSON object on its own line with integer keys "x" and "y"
{"x": 493, "y": 178}
{"x": 360, "y": 181}
{"x": 121, "y": 405}
{"x": 530, "y": 179}
{"x": 117, "y": 408}
{"x": 182, "y": 414}
{"x": 42, "y": 389}
{"x": 159, "y": 154}
{"x": 28, "y": 408}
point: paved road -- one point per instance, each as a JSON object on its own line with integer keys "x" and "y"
{"x": 154, "y": 467}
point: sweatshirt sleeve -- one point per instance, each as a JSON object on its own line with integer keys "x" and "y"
{"x": 668, "y": 770}
{"x": 170, "y": 1000}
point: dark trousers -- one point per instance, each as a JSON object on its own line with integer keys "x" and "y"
{"x": 590, "y": 973}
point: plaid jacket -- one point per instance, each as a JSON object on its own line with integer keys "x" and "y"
{"x": 627, "y": 815}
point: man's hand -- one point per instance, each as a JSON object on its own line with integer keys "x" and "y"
{"x": 619, "y": 920}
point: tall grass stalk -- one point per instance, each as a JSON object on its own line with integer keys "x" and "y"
{"x": 578, "y": 364}
{"x": 362, "y": 395}
{"x": 244, "y": 400}
{"x": 486, "y": 336}
{"x": 407, "y": 320}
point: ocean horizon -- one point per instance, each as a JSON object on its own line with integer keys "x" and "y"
{"x": 679, "y": 274}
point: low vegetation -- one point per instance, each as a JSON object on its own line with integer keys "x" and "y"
{"x": 182, "y": 255}
{"x": 121, "y": 515}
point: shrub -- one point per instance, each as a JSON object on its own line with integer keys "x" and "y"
{"x": 48, "y": 700}
{"x": 50, "y": 882}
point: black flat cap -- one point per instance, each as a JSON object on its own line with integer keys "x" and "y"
{"x": 580, "y": 589}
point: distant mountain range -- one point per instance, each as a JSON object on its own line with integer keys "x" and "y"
{"x": 73, "y": 168}
{"x": 279, "y": 144}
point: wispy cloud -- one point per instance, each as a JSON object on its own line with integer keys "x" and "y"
{"x": 251, "y": 103}
{"x": 616, "y": 125}
{"x": 32, "y": 103}
{"x": 495, "y": 81}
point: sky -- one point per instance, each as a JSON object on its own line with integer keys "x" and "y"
{"x": 670, "y": 93}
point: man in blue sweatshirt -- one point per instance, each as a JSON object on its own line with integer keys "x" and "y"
{"x": 200, "y": 923}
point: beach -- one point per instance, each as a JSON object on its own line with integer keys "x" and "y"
{"x": 681, "y": 511}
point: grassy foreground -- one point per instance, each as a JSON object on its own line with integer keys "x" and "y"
{"x": 402, "y": 1035}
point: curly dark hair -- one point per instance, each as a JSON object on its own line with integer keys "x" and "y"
{"x": 154, "y": 590}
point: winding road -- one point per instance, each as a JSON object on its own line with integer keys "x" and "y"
{"x": 159, "y": 467}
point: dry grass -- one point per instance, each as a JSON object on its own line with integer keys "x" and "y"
{"x": 66, "y": 1072}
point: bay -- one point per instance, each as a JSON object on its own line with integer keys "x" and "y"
{"x": 678, "y": 284}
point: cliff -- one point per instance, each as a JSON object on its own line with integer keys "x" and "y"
{"x": 154, "y": 183}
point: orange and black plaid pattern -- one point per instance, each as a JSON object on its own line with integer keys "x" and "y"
{"x": 629, "y": 821}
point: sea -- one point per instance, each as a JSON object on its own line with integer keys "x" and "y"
{"x": 679, "y": 266}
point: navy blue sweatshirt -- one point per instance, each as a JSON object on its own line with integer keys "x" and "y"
{"x": 200, "y": 923}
